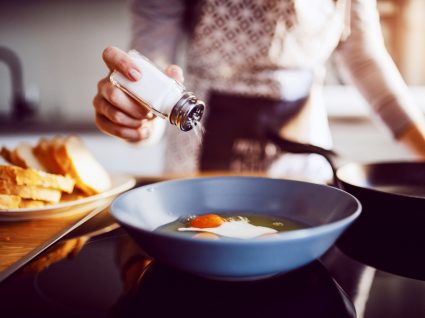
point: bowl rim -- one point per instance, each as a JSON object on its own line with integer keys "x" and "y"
{"x": 280, "y": 236}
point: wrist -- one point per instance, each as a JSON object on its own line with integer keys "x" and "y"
{"x": 414, "y": 138}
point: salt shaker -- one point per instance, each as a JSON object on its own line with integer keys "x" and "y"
{"x": 160, "y": 94}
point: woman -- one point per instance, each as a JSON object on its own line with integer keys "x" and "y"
{"x": 259, "y": 65}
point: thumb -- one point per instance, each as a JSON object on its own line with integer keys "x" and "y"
{"x": 175, "y": 72}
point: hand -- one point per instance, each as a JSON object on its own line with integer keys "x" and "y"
{"x": 414, "y": 138}
{"x": 117, "y": 114}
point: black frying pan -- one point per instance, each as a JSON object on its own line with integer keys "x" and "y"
{"x": 390, "y": 232}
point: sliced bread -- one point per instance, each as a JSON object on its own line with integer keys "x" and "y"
{"x": 61, "y": 163}
{"x": 30, "y": 192}
{"x": 76, "y": 195}
{"x": 44, "y": 152}
{"x": 8, "y": 201}
{"x": 32, "y": 177}
{"x": 23, "y": 156}
{"x": 80, "y": 164}
{"x": 6, "y": 154}
{"x": 25, "y": 203}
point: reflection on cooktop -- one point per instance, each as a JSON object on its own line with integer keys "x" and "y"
{"x": 164, "y": 292}
{"x": 111, "y": 277}
{"x": 87, "y": 284}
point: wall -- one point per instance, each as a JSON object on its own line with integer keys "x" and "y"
{"x": 60, "y": 45}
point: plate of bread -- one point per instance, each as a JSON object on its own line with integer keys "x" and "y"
{"x": 56, "y": 177}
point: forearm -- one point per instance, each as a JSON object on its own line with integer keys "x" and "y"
{"x": 374, "y": 73}
{"x": 157, "y": 29}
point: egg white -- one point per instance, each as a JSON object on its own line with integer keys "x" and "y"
{"x": 235, "y": 229}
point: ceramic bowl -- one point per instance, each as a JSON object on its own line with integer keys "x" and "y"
{"x": 326, "y": 211}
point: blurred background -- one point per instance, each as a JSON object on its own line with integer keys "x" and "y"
{"x": 59, "y": 45}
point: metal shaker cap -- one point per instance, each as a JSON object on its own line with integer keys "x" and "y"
{"x": 188, "y": 112}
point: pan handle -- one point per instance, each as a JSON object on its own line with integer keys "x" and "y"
{"x": 291, "y": 146}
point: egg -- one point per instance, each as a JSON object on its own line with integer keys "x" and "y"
{"x": 241, "y": 229}
{"x": 206, "y": 236}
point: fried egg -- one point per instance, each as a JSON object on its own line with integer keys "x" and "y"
{"x": 241, "y": 229}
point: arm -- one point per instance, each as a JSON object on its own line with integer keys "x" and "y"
{"x": 157, "y": 29}
{"x": 414, "y": 138}
{"x": 371, "y": 69}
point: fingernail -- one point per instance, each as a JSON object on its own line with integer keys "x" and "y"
{"x": 145, "y": 132}
{"x": 174, "y": 68}
{"x": 179, "y": 75}
{"x": 134, "y": 74}
{"x": 176, "y": 72}
{"x": 130, "y": 134}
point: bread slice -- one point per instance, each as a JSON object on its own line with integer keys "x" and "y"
{"x": 24, "y": 157}
{"x": 25, "y": 203}
{"x": 6, "y": 154}
{"x": 80, "y": 164}
{"x": 9, "y": 201}
{"x": 54, "y": 145}
{"x": 30, "y": 192}
{"x": 44, "y": 152}
{"x": 76, "y": 195}
{"x": 32, "y": 177}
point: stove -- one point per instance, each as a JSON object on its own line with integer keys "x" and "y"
{"x": 111, "y": 277}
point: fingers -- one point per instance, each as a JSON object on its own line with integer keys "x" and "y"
{"x": 103, "y": 107}
{"x": 119, "y": 60}
{"x": 110, "y": 128}
{"x": 120, "y": 100}
{"x": 175, "y": 72}
{"x": 117, "y": 113}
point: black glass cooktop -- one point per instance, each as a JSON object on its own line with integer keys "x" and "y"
{"x": 111, "y": 277}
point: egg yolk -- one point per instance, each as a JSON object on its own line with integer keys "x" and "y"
{"x": 207, "y": 221}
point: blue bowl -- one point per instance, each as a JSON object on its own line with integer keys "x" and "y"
{"x": 326, "y": 211}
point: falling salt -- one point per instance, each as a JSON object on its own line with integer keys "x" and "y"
{"x": 198, "y": 130}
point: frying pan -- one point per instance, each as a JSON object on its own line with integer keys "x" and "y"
{"x": 389, "y": 234}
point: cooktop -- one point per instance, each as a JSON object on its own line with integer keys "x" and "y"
{"x": 109, "y": 276}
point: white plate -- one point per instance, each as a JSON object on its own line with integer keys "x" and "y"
{"x": 120, "y": 183}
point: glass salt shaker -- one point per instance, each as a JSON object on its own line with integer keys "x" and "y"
{"x": 160, "y": 94}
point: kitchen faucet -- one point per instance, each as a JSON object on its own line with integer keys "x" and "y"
{"x": 21, "y": 107}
